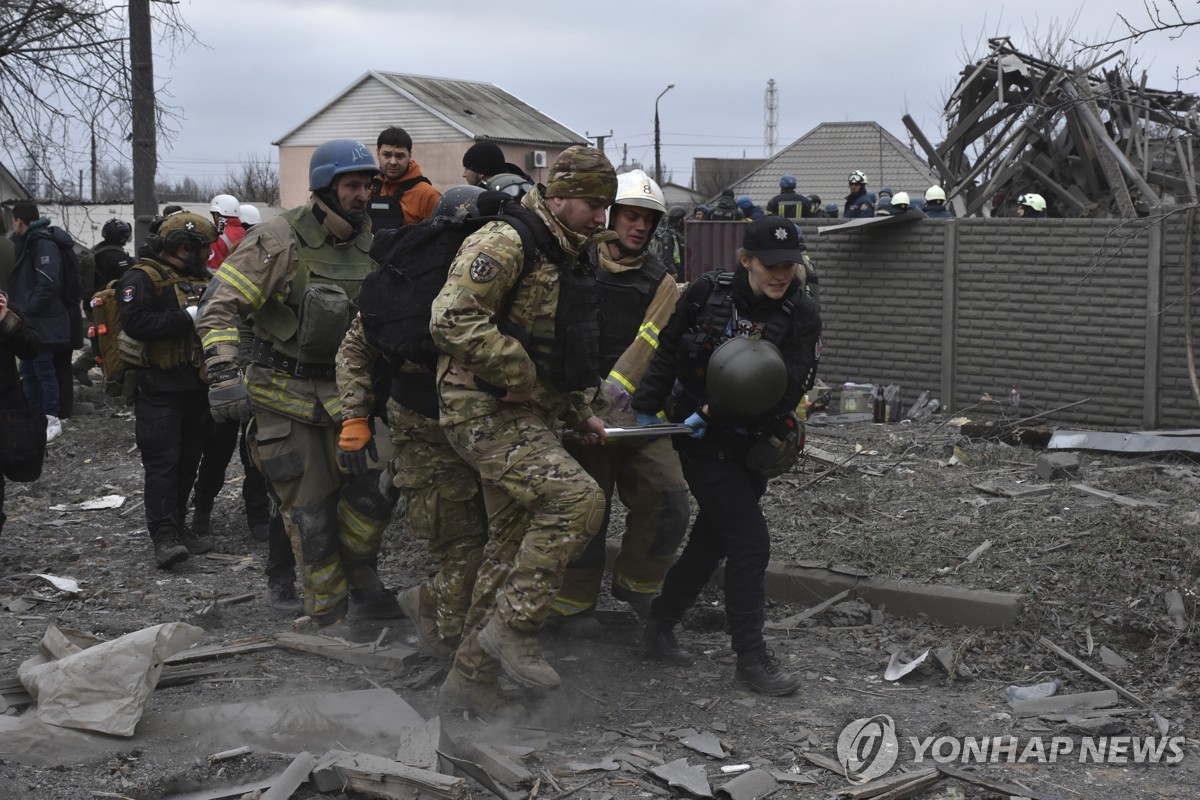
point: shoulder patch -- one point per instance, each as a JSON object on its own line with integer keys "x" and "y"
{"x": 484, "y": 268}
{"x": 128, "y": 294}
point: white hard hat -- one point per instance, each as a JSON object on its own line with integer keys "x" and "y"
{"x": 636, "y": 188}
{"x": 934, "y": 194}
{"x": 900, "y": 199}
{"x": 224, "y": 204}
{"x": 248, "y": 214}
{"x": 858, "y": 176}
{"x": 1034, "y": 201}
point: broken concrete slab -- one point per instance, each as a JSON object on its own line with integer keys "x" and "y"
{"x": 1064, "y": 702}
{"x": 500, "y": 766}
{"x": 292, "y": 778}
{"x": 1110, "y": 658}
{"x": 748, "y": 786}
{"x": 367, "y": 721}
{"x": 678, "y": 774}
{"x": 705, "y": 743}
{"x": 375, "y": 776}
{"x": 1057, "y": 466}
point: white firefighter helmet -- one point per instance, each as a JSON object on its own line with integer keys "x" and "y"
{"x": 636, "y": 188}
{"x": 224, "y": 204}
{"x": 935, "y": 194}
{"x": 249, "y": 215}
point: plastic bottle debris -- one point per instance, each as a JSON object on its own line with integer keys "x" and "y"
{"x": 1035, "y": 692}
{"x": 1014, "y": 402}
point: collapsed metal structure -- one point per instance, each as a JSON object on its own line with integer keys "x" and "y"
{"x": 1088, "y": 139}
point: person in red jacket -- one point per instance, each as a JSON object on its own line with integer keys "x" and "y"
{"x": 400, "y": 194}
{"x": 224, "y": 210}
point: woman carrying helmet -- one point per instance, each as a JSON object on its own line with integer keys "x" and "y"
{"x": 734, "y": 361}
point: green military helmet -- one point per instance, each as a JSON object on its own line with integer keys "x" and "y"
{"x": 745, "y": 377}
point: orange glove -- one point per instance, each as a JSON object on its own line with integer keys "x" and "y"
{"x": 355, "y": 434}
{"x": 355, "y": 447}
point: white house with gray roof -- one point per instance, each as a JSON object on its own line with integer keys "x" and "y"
{"x": 444, "y": 116}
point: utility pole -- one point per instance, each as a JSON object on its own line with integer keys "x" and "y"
{"x": 770, "y": 117}
{"x": 658, "y": 137}
{"x": 145, "y": 154}
{"x": 600, "y": 137}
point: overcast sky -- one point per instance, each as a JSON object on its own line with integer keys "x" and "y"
{"x": 263, "y": 66}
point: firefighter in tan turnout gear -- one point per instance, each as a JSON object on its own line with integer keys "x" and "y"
{"x": 297, "y": 279}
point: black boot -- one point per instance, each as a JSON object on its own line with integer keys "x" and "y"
{"x": 760, "y": 672}
{"x": 168, "y": 550}
{"x": 282, "y": 598}
{"x": 659, "y": 641}
{"x": 374, "y": 603}
{"x": 202, "y": 517}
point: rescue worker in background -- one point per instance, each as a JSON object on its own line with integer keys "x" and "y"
{"x": 726, "y": 208}
{"x": 858, "y": 202}
{"x": 296, "y": 278}
{"x": 400, "y": 193}
{"x": 521, "y": 346}
{"x": 884, "y": 194}
{"x": 637, "y": 296}
{"x": 249, "y": 215}
{"x": 749, "y": 210}
{"x": 224, "y": 211}
{"x": 740, "y": 407}
{"x": 831, "y": 210}
{"x": 442, "y": 496}
{"x": 701, "y": 212}
{"x": 223, "y": 439}
{"x": 900, "y": 203}
{"x": 814, "y": 208}
{"x": 110, "y": 261}
{"x": 935, "y": 204}
{"x": 788, "y": 203}
{"x": 668, "y": 245}
{"x": 157, "y": 299}
{"x": 1031, "y": 206}
{"x": 485, "y": 160}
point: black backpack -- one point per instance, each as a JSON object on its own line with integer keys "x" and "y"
{"x": 395, "y": 300}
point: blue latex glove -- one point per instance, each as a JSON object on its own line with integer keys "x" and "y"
{"x": 698, "y": 424}
{"x": 647, "y": 419}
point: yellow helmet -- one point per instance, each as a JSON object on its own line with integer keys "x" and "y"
{"x": 900, "y": 199}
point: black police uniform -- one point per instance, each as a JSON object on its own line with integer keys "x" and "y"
{"x": 859, "y": 204}
{"x": 112, "y": 262}
{"x": 730, "y": 524}
{"x": 171, "y": 404}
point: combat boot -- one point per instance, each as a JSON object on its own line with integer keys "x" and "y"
{"x": 194, "y": 542}
{"x": 202, "y": 518}
{"x": 168, "y": 550}
{"x": 282, "y": 598}
{"x": 374, "y": 603}
{"x": 519, "y": 654}
{"x": 485, "y": 699}
{"x": 583, "y": 625}
{"x": 658, "y": 639}
{"x": 640, "y": 601}
{"x": 417, "y": 604}
{"x": 760, "y": 672}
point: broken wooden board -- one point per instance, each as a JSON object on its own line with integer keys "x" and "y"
{"x": 1113, "y": 497}
{"x": 374, "y": 776}
{"x": 1133, "y": 442}
{"x": 1064, "y": 702}
{"x": 1013, "y": 490}
{"x": 234, "y": 647}
{"x": 392, "y": 657}
{"x": 787, "y": 623}
{"x": 498, "y": 765}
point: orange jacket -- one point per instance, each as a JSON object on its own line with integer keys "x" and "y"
{"x": 228, "y": 239}
{"x": 417, "y": 201}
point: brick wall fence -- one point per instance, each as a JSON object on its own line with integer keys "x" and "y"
{"x": 1066, "y": 309}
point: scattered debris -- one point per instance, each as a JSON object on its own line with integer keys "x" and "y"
{"x": 375, "y": 776}
{"x": 679, "y": 775}
{"x": 1111, "y": 659}
{"x": 296, "y": 774}
{"x": 65, "y": 585}
{"x": 1057, "y": 466}
{"x": 95, "y": 504}
{"x": 897, "y": 668}
{"x": 973, "y": 776}
{"x": 394, "y": 657}
{"x": 787, "y": 623}
{"x": 1063, "y": 702}
{"x": 748, "y": 786}
{"x": 1113, "y": 497}
{"x": 503, "y": 768}
{"x": 1075, "y": 662}
{"x": 1175, "y": 612}
{"x": 225, "y": 755}
{"x": 705, "y": 743}
{"x": 902, "y": 784}
{"x": 1131, "y": 443}
{"x": 1014, "y": 490}
{"x": 1036, "y": 692}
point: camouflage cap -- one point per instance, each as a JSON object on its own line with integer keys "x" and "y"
{"x": 581, "y": 171}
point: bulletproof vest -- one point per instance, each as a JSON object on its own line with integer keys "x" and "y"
{"x": 791, "y": 205}
{"x": 713, "y": 316}
{"x": 624, "y": 298}
{"x": 385, "y": 210}
{"x": 166, "y": 353}
{"x": 308, "y": 324}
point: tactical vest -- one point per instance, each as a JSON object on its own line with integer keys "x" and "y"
{"x": 713, "y": 316}
{"x": 165, "y": 353}
{"x": 624, "y": 298}
{"x": 308, "y": 324}
{"x": 385, "y": 210}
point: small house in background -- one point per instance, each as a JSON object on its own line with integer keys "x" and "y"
{"x": 821, "y": 159}
{"x": 444, "y": 116}
{"x": 677, "y": 195}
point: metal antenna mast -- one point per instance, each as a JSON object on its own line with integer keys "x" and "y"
{"x": 771, "y": 117}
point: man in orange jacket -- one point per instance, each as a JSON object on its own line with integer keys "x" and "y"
{"x": 400, "y": 194}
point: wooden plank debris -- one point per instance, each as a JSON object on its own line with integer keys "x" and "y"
{"x": 393, "y": 657}
{"x": 1085, "y": 136}
{"x": 787, "y": 623}
{"x": 375, "y": 776}
{"x": 911, "y": 782}
{"x": 1113, "y": 497}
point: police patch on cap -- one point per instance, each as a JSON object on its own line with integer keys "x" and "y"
{"x": 484, "y": 268}
{"x": 773, "y": 240}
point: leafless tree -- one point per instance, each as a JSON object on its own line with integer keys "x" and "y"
{"x": 256, "y": 182}
{"x": 115, "y": 183}
{"x": 1161, "y": 17}
{"x": 64, "y": 81}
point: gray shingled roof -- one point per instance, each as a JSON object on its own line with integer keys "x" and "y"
{"x": 822, "y": 158}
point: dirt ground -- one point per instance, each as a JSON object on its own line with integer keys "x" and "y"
{"x": 1093, "y": 574}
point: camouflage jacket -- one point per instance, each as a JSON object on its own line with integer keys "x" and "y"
{"x": 466, "y": 312}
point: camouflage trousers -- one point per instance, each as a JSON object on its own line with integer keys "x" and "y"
{"x": 335, "y": 522}
{"x": 444, "y": 505}
{"x": 542, "y": 507}
{"x": 647, "y": 478}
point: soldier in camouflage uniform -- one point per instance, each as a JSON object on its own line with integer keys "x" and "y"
{"x": 521, "y": 345}
{"x": 297, "y": 278}
{"x": 442, "y": 496}
{"x": 637, "y": 296}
